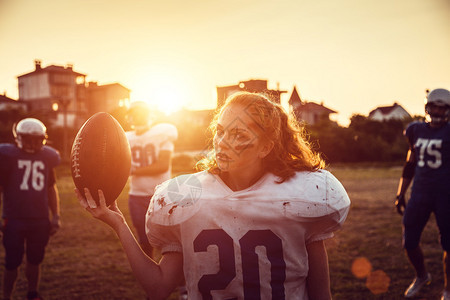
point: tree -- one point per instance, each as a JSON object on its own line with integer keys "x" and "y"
{"x": 364, "y": 140}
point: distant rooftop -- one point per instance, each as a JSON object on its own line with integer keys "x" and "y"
{"x": 385, "y": 110}
{"x": 52, "y": 69}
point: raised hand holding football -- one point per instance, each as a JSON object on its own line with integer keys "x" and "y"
{"x": 101, "y": 157}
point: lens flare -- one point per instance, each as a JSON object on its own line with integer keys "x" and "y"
{"x": 361, "y": 267}
{"x": 378, "y": 282}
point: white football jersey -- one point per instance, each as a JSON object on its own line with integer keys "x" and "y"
{"x": 248, "y": 244}
{"x": 145, "y": 150}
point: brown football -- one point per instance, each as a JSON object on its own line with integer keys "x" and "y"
{"x": 101, "y": 157}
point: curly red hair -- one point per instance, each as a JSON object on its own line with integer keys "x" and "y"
{"x": 291, "y": 152}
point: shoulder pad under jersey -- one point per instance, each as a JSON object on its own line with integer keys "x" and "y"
{"x": 169, "y": 130}
{"x": 319, "y": 194}
{"x": 176, "y": 200}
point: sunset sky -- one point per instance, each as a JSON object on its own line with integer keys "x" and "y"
{"x": 352, "y": 55}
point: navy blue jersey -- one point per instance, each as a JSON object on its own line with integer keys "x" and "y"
{"x": 25, "y": 179}
{"x": 431, "y": 147}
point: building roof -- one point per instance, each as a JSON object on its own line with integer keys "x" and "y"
{"x": 295, "y": 98}
{"x": 6, "y": 104}
{"x": 51, "y": 69}
{"x": 94, "y": 85}
{"x": 5, "y": 99}
{"x": 385, "y": 110}
{"x": 311, "y": 106}
{"x": 252, "y": 85}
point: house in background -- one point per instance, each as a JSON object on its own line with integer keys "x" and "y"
{"x": 54, "y": 90}
{"x": 106, "y": 97}
{"x": 63, "y": 94}
{"x": 385, "y": 113}
{"x": 10, "y": 104}
{"x": 308, "y": 112}
{"x": 252, "y": 85}
{"x": 10, "y": 109}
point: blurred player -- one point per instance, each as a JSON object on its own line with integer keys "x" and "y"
{"x": 28, "y": 185}
{"x": 428, "y": 162}
{"x": 251, "y": 225}
{"x": 151, "y": 160}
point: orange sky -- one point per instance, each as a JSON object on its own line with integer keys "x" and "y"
{"x": 353, "y": 55}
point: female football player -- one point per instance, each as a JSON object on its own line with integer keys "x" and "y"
{"x": 251, "y": 224}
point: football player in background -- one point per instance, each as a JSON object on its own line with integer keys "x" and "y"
{"x": 428, "y": 162}
{"x": 251, "y": 224}
{"x": 151, "y": 163}
{"x": 29, "y": 191}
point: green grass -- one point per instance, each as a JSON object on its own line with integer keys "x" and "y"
{"x": 84, "y": 260}
{"x": 373, "y": 231}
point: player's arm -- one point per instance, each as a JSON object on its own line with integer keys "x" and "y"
{"x": 405, "y": 181}
{"x": 1, "y": 202}
{"x": 3, "y": 174}
{"x": 318, "y": 280}
{"x": 157, "y": 279}
{"x": 53, "y": 204}
{"x": 161, "y": 165}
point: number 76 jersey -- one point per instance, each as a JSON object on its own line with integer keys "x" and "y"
{"x": 431, "y": 148}
{"x": 248, "y": 244}
{"x": 25, "y": 178}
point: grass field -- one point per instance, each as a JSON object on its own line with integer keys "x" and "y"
{"x": 84, "y": 260}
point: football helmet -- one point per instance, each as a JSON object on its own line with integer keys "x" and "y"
{"x": 30, "y": 135}
{"x": 139, "y": 115}
{"x": 437, "y": 106}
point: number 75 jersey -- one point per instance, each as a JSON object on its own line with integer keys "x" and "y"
{"x": 431, "y": 148}
{"x": 248, "y": 244}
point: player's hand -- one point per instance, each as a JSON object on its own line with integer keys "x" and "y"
{"x": 110, "y": 215}
{"x": 400, "y": 204}
{"x": 55, "y": 224}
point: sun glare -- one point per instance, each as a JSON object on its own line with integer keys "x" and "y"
{"x": 166, "y": 91}
{"x": 169, "y": 100}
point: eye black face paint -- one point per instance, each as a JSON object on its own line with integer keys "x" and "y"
{"x": 240, "y": 148}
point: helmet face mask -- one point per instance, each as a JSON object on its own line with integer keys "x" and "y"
{"x": 30, "y": 143}
{"x": 30, "y": 135}
{"x": 437, "y": 106}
